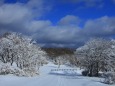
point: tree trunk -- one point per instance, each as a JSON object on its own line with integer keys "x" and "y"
{"x": 12, "y": 60}
{"x": 59, "y": 63}
{"x": 91, "y": 70}
{"x": 97, "y": 69}
{"x": 3, "y": 60}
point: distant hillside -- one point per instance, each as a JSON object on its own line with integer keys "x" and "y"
{"x": 58, "y": 51}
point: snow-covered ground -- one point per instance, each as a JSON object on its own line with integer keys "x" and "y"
{"x": 52, "y": 78}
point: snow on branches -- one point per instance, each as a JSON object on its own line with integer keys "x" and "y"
{"x": 97, "y": 55}
{"x": 22, "y": 51}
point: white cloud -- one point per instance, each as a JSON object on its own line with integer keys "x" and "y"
{"x": 13, "y": 17}
{"x": 101, "y": 26}
{"x": 11, "y": 13}
{"x": 20, "y": 16}
{"x": 34, "y": 26}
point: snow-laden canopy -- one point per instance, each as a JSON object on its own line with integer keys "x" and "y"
{"x": 21, "y": 50}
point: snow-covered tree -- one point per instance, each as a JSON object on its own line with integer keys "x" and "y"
{"x": 23, "y": 51}
{"x": 94, "y": 55}
{"x": 6, "y": 48}
{"x": 110, "y": 74}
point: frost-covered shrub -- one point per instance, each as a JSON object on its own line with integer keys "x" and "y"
{"x": 5, "y": 70}
{"x": 30, "y": 71}
{"x": 109, "y": 78}
{"x": 8, "y": 69}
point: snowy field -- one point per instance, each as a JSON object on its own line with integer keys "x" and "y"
{"x": 49, "y": 76}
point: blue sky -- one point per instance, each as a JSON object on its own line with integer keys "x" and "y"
{"x": 84, "y": 12}
{"x": 59, "y": 23}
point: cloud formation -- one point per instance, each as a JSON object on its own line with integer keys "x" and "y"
{"x": 21, "y": 17}
{"x": 103, "y": 26}
{"x": 14, "y": 17}
{"x": 73, "y": 35}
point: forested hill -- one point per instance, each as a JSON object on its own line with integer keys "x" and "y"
{"x": 58, "y": 51}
